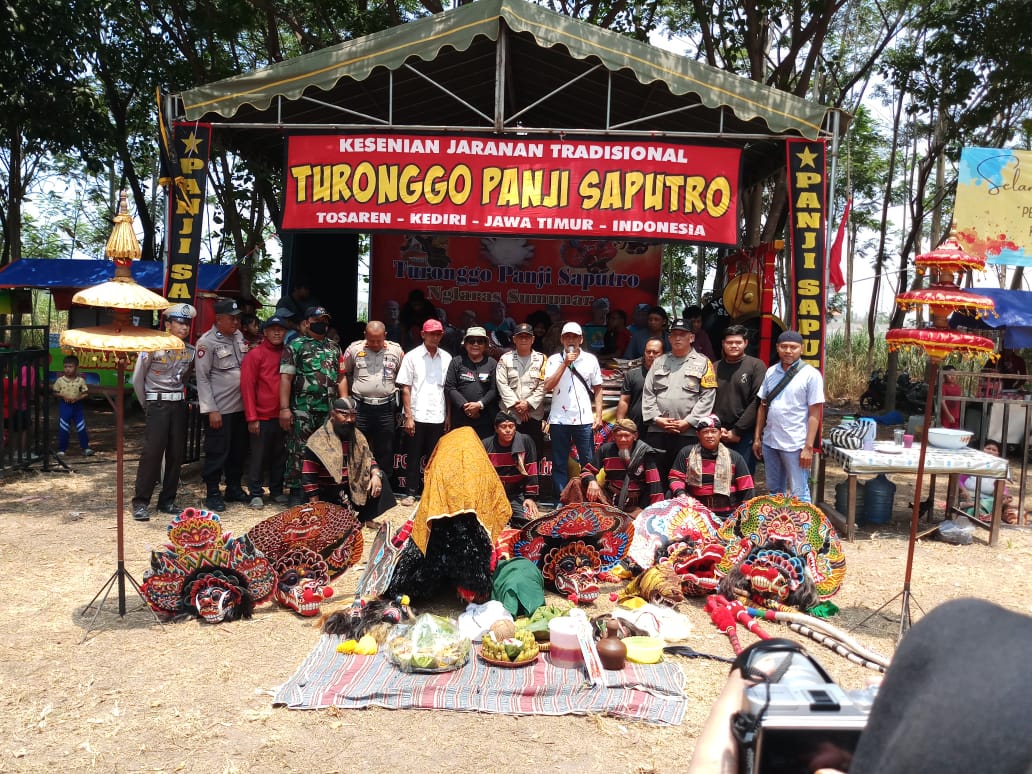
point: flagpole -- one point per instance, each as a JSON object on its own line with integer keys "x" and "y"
{"x": 166, "y": 110}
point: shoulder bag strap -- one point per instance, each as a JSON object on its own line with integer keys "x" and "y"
{"x": 579, "y": 375}
{"x": 795, "y": 368}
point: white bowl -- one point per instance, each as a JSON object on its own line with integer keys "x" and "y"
{"x": 948, "y": 438}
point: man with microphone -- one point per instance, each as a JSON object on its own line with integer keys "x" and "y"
{"x": 574, "y": 379}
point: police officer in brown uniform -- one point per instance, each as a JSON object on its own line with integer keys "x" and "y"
{"x": 159, "y": 380}
{"x": 520, "y": 378}
{"x": 371, "y": 370}
{"x": 220, "y": 351}
{"x": 680, "y": 390}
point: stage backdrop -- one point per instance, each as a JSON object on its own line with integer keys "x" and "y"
{"x": 513, "y": 187}
{"x": 992, "y": 215}
{"x": 459, "y": 273}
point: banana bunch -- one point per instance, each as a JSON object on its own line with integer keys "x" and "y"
{"x": 522, "y": 647}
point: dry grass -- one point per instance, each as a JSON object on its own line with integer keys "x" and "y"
{"x": 138, "y": 697}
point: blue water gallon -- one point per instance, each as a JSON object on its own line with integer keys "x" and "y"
{"x": 878, "y": 500}
{"x": 870, "y": 434}
{"x": 842, "y": 498}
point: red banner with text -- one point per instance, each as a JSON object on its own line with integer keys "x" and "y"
{"x": 601, "y": 189}
{"x": 503, "y": 280}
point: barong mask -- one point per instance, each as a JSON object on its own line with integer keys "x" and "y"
{"x": 308, "y": 545}
{"x": 204, "y": 572}
{"x": 302, "y": 581}
{"x": 780, "y": 552}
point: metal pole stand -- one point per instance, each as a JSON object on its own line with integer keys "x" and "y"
{"x": 905, "y": 616}
{"x": 119, "y": 577}
{"x": 120, "y": 574}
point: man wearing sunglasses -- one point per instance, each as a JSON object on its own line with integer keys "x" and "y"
{"x": 470, "y": 384}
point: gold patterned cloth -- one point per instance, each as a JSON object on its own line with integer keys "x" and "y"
{"x": 460, "y": 479}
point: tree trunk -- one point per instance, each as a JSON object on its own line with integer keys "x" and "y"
{"x": 224, "y": 192}
{"x": 16, "y": 191}
{"x": 879, "y": 264}
{"x": 849, "y": 288}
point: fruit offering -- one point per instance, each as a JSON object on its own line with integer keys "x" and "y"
{"x": 431, "y": 644}
{"x": 538, "y": 622}
{"x": 521, "y": 647}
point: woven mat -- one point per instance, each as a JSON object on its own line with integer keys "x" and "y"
{"x": 653, "y": 693}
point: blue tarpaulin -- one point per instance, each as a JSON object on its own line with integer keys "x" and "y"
{"x": 1014, "y": 308}
{"x": 52, "y": 274}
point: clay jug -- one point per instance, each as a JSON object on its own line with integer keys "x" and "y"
{"x": 611, "y": 651}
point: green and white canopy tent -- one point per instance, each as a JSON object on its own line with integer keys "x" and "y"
{"x": 506, "y": 67}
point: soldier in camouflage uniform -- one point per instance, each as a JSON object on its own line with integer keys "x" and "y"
{"x": 311, "y": 377}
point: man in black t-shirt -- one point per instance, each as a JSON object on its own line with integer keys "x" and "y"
{"x": 634, "y": 384}
{"x": 514, "y": 459}
{"x": 739, "y": 377}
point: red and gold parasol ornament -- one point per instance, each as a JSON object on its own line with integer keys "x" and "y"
{"x": 949, "y": 257}
{"x": 939, "y": 343}
{"x": 944, "y": 299}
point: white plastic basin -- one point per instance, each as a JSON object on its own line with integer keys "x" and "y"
{"x": 947, "y": 438}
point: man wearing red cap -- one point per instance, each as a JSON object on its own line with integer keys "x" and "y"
{"x": 421, "y": 378}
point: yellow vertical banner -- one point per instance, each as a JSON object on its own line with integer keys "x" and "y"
{"x": 191, "y": 143}
{"x": 807, "y": 233}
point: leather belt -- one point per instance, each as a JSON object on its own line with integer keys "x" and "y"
{"x": 712, "y": 500}
{"x": 374, "y": 401}
{"x": 166, "y": 396}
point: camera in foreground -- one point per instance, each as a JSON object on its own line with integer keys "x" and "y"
{"x": 797, "y": 719}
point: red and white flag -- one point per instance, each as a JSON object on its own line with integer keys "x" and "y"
{"x": 838, "y": 281}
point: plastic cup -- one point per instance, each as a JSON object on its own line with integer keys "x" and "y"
{"x": 897, "y": 436}
{"x": 565, "y": 649}
{"x": 908, "y": 441}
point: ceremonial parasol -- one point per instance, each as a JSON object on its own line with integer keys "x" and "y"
{"x": 949, "y": 257}
{"x": 943, "y": 300}
{"x": 123, "y": 340}
{"x": 938, "y": 342}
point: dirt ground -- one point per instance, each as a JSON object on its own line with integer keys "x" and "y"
{"x": 133, "y": 696}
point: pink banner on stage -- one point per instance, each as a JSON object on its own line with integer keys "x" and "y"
{"x": 460, "y": 273}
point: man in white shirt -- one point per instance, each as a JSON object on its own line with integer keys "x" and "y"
{"x": 788, "y": 419}
{"x": 421, "y": 378}
{"x": 574, "y": 380}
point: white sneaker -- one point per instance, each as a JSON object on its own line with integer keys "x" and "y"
{"x": 87, "y": 452}
{"x": 257, "y": 503}
{"x": 60, "y": 454}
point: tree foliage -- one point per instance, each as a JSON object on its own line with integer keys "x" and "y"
{"x": 965, "y": 79}
{"x": 48, "y": 103}
{"x": 79, "y": 75}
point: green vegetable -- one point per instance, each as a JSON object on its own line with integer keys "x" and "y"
{"x": 423, "y": 662}
{"x": 546, "y": 613}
